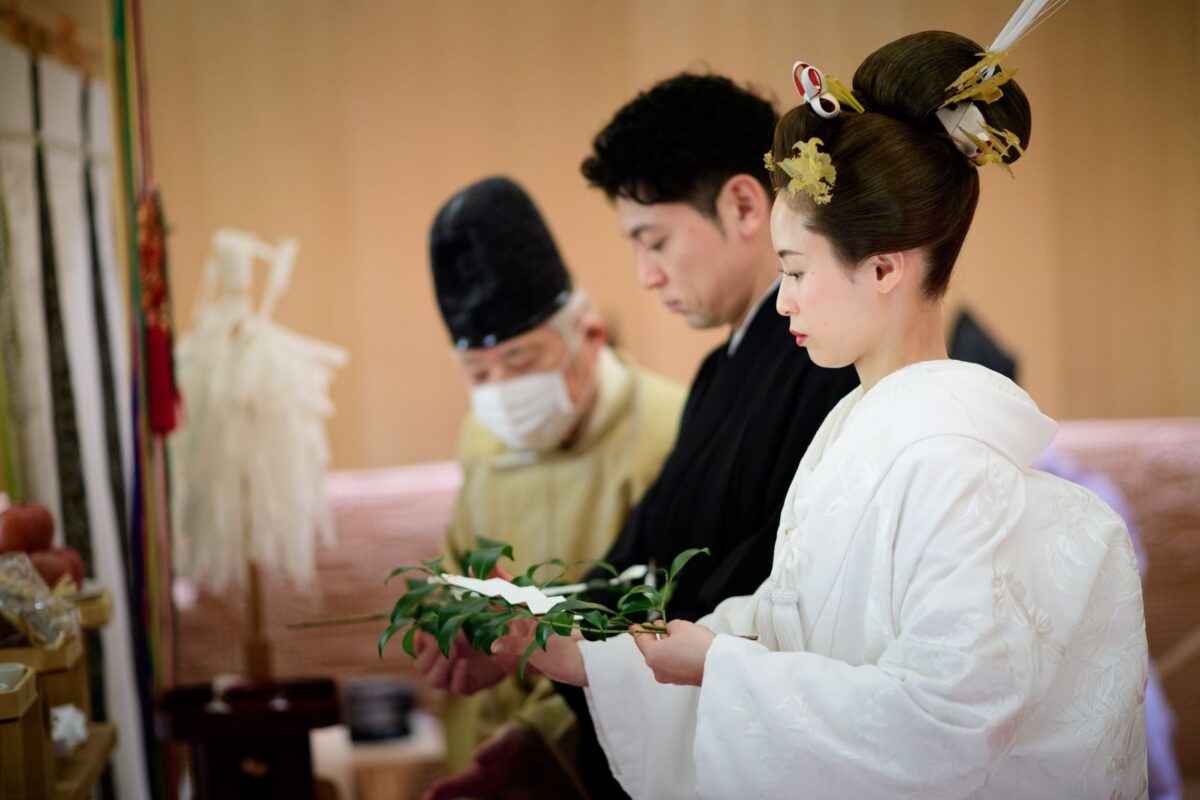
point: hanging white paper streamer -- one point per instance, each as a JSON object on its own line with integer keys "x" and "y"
{"x": 33, "y": 414}
{"x": 61, "y": 96}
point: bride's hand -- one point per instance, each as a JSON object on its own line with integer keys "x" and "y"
{"x": 678, "y": 657}
{"x": 561, "y": 660}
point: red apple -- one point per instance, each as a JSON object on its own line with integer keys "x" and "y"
{"x": 12, "y": 530}
{"x": 74, "y": 563}
{"x": 26, "y": 528}
{"x": 41, "y": 519}
{"x": 51, "y": 565}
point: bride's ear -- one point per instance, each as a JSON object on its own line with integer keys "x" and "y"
{"x": 887, "y": 270}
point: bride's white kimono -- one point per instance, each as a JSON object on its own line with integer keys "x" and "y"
{"x": 941, "y": 621}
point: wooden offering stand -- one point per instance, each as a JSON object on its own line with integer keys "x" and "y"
{"x": 61, "y": 674}
{"x": 77, "y": 774}
{"x": 26, "y": 755}
{"x": 95, "y": 608}
{"x": 53, "y": 678}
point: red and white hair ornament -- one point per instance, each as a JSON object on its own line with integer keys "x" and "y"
{"x": 810, "y": 83}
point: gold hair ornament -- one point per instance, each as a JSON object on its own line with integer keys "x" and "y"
{"x": 995, "y": 148}
{"x": 961, "y": 114}
{"x": 842, "y": 94}
{"x": 811, "y": 171}
{"x": 982, "y": 81}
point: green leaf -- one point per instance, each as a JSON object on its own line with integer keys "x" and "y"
{"x": 397, "y": 619}
{"x": 471, "y": 604}
{"x": 483, "y": 561}
{"x": 638, "y": 603}
{"x": 449, "y": 629}
{"x": 487, "y": 629}
{"x": 683, "y": 558}
{"x": 484, "y": 627}
{"x": 594, "y": 625}
{"x": 388, "y": 633}
{"x": 434, "y": 565}
{"x": 399, "y": 571}
{"x": 562, "y": 622}
{"x": 469, "y": 625}
{"x": 525, "y": 660}
{"x": 644, "y": 588}
{"x": 428, "y": 622}
{"x": 407, "y": 607}
{"x": 409, "y": 643}
{"x": 542, "y": 635}
{"x": 639, "y": 598}
{"x": 575, "y": 604}
{"x": 504, "y": 628}
{"x": 409, "y": 602}
{"x": 531, "y": 573}
{"x": 480, "y": 638}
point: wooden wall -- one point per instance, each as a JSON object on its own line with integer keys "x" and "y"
{"x": 347, "y": 123}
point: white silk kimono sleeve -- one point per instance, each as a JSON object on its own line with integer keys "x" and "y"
{"x": 974, "y": 626}
{"x": 979, "y": 634}
{"x": 660, "y": 765}
{"x": 644, "y": 726}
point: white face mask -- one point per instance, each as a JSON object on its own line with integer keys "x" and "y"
{"x": 533, "y": 412}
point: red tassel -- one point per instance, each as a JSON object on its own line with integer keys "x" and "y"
{"x": 160, "y": 384}
{"x": 162, "y": 394}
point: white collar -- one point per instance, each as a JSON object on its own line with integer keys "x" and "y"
{"x": 740, "y": 333}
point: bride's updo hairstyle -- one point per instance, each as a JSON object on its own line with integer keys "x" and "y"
{"x": 902, "y": 183}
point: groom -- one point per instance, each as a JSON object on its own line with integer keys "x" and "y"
{"x": 694, "y": 201}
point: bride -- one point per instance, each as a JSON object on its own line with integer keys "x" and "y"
{"x": 941, "y": 619}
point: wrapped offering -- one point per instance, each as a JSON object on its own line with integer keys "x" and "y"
{"x": 29, "y": 612}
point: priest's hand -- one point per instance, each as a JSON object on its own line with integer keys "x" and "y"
{"x": 492, "y": 772}
{"x": 561, "y": 660}
{"x": 678, "y": 657}
{"x": 465, "y": 672}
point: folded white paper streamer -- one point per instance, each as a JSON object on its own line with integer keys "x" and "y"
{"x": 529, "y": 596}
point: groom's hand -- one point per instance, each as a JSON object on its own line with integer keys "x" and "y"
{"x": 465, "y": 672}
